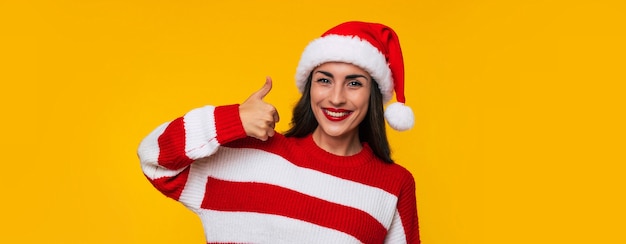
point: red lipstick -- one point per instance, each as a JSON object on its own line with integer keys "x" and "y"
{"x": 334, "y": 114}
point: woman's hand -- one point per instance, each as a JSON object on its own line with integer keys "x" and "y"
{"x": 258, "y": 117}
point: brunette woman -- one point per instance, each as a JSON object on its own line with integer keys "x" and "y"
{"x": 329, "y": 179}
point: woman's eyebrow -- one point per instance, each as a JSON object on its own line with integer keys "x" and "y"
{"x": 347, "y": 76}
{"x": 326, "y": 73}
{"x": 355, "y": 76}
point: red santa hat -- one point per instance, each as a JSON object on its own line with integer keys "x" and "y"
{"x": 373, "y": 47}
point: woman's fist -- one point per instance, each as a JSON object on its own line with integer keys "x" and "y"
{"x": 258, "y": 117}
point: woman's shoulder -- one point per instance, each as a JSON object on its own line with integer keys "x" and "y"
{"x": 275, "y": 142}
{"x": 397, "y": 169}
{"x": 393, "y": 170}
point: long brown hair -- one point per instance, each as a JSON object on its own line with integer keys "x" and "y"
{"x": 371, "y": 130}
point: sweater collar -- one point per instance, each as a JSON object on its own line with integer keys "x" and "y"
{"x": 365, "y": 155}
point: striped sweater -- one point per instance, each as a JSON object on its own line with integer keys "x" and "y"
{"x": 283, "y": 190}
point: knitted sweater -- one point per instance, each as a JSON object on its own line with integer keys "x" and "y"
{"x": 283, "y": 190}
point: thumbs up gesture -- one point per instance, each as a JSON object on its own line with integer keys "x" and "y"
{"x": 258, "y": 117}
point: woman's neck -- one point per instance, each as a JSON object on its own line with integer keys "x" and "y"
{"x": 344, "y": 145}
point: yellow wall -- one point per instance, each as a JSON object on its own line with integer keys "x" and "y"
{"x": 519, "y": 106}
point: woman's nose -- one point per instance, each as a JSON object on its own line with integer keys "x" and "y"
{"x": 337, "y": 96}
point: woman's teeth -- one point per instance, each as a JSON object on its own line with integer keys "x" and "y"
{"x": 336, "y": 114}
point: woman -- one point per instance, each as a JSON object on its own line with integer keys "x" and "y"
{"x": 329, "y": 179}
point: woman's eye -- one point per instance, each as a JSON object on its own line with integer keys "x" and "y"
{"x": 355, "y": 83}
{"x": 323, "y": 80}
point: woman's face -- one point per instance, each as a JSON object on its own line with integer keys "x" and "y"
{"x": 340, "y": 95}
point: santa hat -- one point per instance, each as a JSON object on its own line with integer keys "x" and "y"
{"x": 371, "y": 46}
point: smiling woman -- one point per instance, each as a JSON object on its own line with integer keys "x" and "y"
{"x": 339, "y": 102}
{"x": 329, "y": 179}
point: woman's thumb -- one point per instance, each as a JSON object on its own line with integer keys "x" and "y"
{"x": 267, "y": 87}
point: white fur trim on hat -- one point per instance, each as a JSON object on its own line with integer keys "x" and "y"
{"x": 347, "y": 49}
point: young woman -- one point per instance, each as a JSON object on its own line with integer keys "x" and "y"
{"x": 328, "y": 179}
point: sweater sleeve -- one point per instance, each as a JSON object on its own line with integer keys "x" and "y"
{"x": 168, "y": 151}
{"x": 405, "y": 227}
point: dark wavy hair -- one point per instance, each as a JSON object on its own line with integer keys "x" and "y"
{"x": 371, "y": 130}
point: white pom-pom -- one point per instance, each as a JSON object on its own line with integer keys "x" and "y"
{"x": 399, "y": 116}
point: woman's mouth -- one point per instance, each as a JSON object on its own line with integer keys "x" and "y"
{"x": 336, "y": 114}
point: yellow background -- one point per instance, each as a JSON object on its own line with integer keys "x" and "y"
{"x": 519, "y": 106}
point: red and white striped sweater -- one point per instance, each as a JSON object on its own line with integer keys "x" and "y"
{"x": 284, "y": 190}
